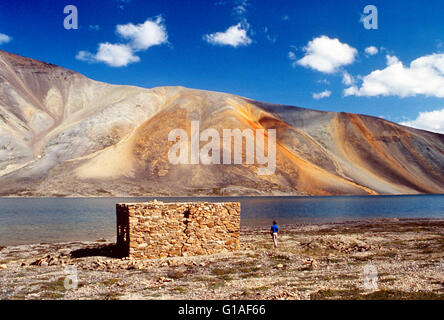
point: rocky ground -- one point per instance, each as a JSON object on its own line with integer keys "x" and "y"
{"x": 372, "y": 259}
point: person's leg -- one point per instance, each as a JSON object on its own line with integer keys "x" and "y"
{"x": 275, "y": 240}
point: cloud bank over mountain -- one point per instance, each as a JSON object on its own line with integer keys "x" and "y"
{"x": 424, "y": 76}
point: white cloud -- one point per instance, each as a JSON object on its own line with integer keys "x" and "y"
{"x": 144, "y": 35}
{"x": 123, "y": 2}
{"x": 114, "y": 55}
{"x": 430, "y": 121}
{"x": 269, "y": 37}
{"x": 321, "y": 95}
{"x": 424, "y": 76}
{"x": 4, "y": 38}
{"x": 324, "y": 81}
{"x": 327, "y": 55}
{"x": 85, "y": 56}
{"x": 347, "y": 79}
{"x": 241, "y": 8}
{"x": 371, "y": 51}
{"x": 391, "y": 60}
{"x": 234, "y": 36}
{"x": 140, "y": 38}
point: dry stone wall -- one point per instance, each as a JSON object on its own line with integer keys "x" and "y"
{"x": 158, "y": 230}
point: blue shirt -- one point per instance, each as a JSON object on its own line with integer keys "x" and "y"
{"x": 275, "y": 228}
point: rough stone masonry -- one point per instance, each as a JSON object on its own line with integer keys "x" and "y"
{"x": 158, "y": 230}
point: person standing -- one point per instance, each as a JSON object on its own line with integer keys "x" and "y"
{"x": 274, "y": 233}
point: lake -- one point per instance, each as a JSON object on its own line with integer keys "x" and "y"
{"x": 36, "y": 220}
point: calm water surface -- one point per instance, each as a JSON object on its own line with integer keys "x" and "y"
{"x": 35, "y": 220}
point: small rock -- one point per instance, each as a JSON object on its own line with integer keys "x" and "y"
{"x": 3, "y": 266}
{"x": 163, "y": 279}
{"x": 173, "y": 263}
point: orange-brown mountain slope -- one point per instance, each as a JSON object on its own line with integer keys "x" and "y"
{"x": 62, "y": 134}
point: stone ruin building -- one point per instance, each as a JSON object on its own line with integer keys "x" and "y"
{"x": 158, "y": 230}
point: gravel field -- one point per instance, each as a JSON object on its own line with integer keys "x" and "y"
{"x": 371, "y": 259}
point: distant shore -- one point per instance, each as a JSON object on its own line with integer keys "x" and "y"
{"x": 365, "y": 259}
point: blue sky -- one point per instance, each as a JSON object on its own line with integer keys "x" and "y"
{"x": 291, "y": 52}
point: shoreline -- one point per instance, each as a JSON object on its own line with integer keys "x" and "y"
{"x": 27, "y": 221}
{"x": 316, "y": 261}
{"x": 224, "y": 196}
{"x": 256, "y": 227}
